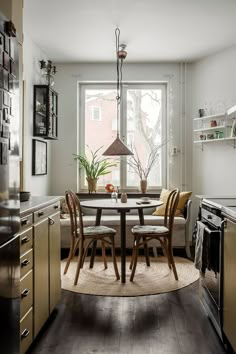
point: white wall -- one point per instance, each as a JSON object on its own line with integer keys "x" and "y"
{"x": 64, "y": 172}
{"x": 37, "y": 185}
{"x": 212, "y": 85}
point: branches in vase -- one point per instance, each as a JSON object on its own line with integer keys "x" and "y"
{"x": 135, "y": 163}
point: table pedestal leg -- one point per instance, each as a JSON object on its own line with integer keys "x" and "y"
{"x": 123, "y": 244}
{"x": 141, "y": 220}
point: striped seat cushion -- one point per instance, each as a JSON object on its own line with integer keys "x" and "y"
{"x": 149, "y": 229}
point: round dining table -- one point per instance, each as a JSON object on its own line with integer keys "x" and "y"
{"x": 122, "y": 208}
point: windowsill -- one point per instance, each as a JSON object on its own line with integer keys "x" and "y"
{"x": 108, "y": 195}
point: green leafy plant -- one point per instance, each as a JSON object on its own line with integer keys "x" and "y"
{"x": 95, "y": 166}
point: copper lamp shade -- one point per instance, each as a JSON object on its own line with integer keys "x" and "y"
{"x": 117, "y": 148}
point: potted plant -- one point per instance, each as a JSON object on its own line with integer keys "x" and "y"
{"x": 94, "y": 167}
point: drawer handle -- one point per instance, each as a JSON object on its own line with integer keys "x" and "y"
{"x": 25, "y": 240}
{"x": 40, "y": 213}
{"x": 25, "y": 333}
{"x": 25, "y": 293}
{"x": 25, "y": 222}
{"x": 25, "y": 262}
{"x": 56, "y": 207}
{"x": 51, "y": 221}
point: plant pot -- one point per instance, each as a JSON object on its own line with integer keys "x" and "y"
{"x": 92, "y": 184}
{"x": 143, "y": 185}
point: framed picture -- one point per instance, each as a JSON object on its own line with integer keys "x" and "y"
{"x": 13, "y": 68}
{"x": 12, "y": 48}
{"x": 6, "y": 43}
{"x": 6, "y": 98}
{"x": 5, "y": 80}
{"x": 6, "y": 115}
{"x": 39, "y": 157}
{"x": 6, "y": 61}
{"x": 1, "y": 41}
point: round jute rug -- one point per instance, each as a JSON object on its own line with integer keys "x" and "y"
{"x": 156, "y": 279}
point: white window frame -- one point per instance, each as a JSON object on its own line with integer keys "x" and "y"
{"x": 82, "y": 86}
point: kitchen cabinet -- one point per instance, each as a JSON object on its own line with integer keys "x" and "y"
{"x": 41, "y": 272}
{"x": 47, "y": 284}
{"x": 213, "y": 128}
{"x": 229, "y": 284}
{"x": 40, "y": 265}
{"x": 26, "y": 283}
{"x": 45, "y": 112}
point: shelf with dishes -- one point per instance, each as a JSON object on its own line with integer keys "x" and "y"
{"x": 215, "y": 128}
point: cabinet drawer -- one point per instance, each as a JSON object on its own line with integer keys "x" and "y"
{"x": 26, "y": 222}
{"x": 26, "y": 331}
{"x": 26, "y": 262}
{"x": 26, "y": 240}
{"x": 26, "y": 290}
{"x": 54, "y": 207}
{"x": 45, "y": 212}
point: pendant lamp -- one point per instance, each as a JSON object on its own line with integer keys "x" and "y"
{"x": 118, "y": 148}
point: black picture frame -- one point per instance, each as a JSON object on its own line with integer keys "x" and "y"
{"x": 39, "y": 157}
{"x": 6, "y": 61}
{"x": 6, "y": 43}
{"x": 5, "y": 80}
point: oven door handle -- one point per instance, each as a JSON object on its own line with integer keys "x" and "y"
{"x": 210, "y": 231}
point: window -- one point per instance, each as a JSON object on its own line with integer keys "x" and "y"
{"x": 96, "y": 113}
{"x": 142, "y": 126}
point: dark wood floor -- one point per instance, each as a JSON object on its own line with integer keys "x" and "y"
{"x": 169, "y": 323}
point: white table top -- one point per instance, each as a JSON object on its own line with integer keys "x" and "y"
{"x": 132, "y": 203}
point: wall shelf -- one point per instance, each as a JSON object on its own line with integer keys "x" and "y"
{"x": 213, "y": 140}
{"x": 211, "y": 128}
{"x": 219, "y": 115}
{"x": 214, "y": 128}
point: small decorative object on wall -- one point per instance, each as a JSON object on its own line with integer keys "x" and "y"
{"x": 48, "y": 70}
{"x": 39, "y": 157}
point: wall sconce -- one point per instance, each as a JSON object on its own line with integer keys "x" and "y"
{"x": 48, "y": 70}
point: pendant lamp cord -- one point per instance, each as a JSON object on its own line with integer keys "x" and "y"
{"x": 119, "y": 64}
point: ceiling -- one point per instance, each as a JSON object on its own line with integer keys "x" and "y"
{"x": 154, "y": 30}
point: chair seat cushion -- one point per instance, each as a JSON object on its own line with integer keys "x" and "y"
{"x": 98, "y": 230}
{"x": 149, "y": 229}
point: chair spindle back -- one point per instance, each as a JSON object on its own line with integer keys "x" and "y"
{"x": 75, "y": 212}
{"x": 170, "y": 210}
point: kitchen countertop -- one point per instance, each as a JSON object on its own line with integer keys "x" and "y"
{"x": 227, "y": 204}
{"x": 37, "y": 202}
{"x": 229, "y": 211}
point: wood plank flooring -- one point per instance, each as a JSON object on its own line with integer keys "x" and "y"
{"x": 170, "y": 323}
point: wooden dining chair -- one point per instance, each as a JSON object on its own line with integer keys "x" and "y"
{"x": 145, "y": 233}
{"x": 82, "y": 237}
